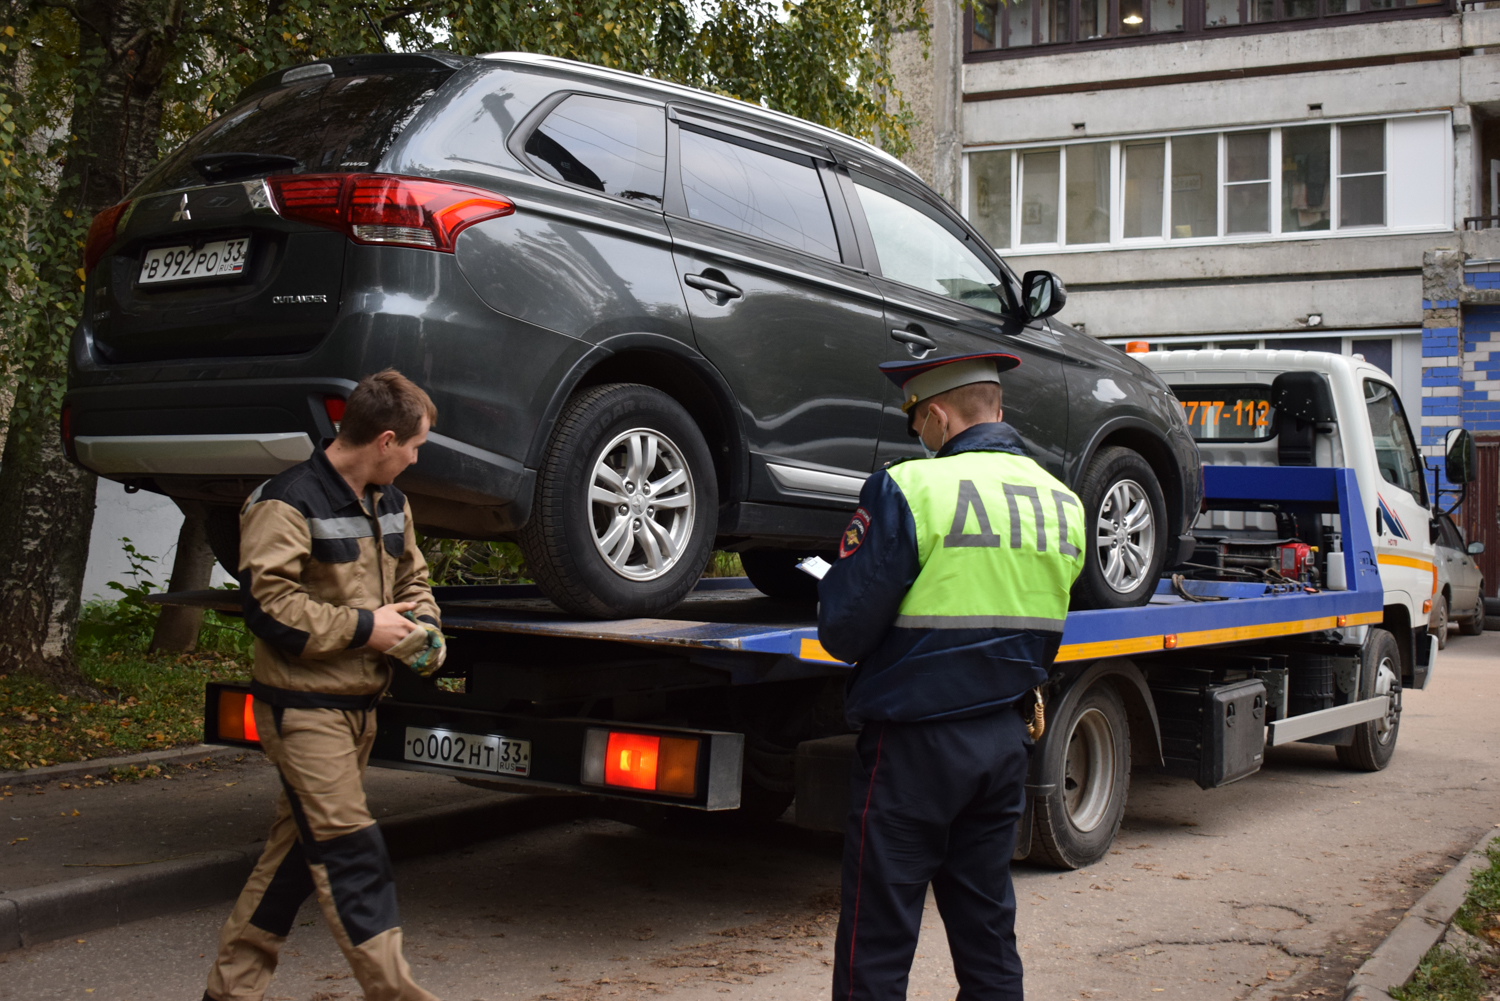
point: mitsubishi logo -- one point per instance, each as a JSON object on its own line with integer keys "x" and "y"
{"x": 182, "y": 212}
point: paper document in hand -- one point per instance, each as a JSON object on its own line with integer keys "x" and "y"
{"x": 815, "y": 566}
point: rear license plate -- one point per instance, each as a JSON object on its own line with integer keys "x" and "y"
{"x": 475, "y": 752}
{"x": 180, "y": 264}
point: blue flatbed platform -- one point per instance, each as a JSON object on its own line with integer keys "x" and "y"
{"x": 727, "y": 614}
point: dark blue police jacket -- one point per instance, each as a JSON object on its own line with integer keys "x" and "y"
{"x": 919, "y": 674}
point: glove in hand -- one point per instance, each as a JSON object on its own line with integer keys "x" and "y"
{"x": 422, "y": 650}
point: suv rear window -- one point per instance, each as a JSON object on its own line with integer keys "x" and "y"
{"x": 1228, "y": 413}
{"x": 329, "y": 124}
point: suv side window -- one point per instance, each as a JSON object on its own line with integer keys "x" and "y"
{"x": 918, "y": 247}
{"x": 615, "y": 147}
{"x": 1395, "y": 452}
{"x": 773, "y": 197}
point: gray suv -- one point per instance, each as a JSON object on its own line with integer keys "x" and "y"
{"x": 650, "y": 318}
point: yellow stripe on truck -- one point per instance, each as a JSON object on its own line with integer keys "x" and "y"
{"x": 1415, "y": 562}
{"x": 813, "y": 650}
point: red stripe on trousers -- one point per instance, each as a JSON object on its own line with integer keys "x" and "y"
{"x": 859, "y": 871}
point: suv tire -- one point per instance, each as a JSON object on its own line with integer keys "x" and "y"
{"x": 774, "y": 573}
{"x": 1438, "y": 623}
{"x": 1121, "y": 565}
{"x": 598, "y": 542}
{"x": 1474, "y": 624}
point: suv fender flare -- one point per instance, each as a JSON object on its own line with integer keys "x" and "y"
{"x": 735, "y": 465}
{"x": 1069, "y": 683}
{"x": 1172, "y": 484}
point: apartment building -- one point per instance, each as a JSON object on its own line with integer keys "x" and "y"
{"x": 1322, "y": 174}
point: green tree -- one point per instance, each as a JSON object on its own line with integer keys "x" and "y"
{"x": 92, "y": 92}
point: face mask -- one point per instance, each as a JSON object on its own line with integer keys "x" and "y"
{"x": 923, "y": 430}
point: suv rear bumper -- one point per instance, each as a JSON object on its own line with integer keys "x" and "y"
{"x": 215, "y": 441}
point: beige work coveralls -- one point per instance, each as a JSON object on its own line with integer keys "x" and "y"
{"x": 315, "y": 563}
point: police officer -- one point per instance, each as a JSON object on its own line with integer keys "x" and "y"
{"x": 948, "y": 596}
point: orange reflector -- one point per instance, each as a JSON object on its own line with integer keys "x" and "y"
{"x": 1169, "y": 641}
{"x": 1343, "y": 620}
{"x": 630, "y": 760}
{"x": 1427, "y": 607}
{"x": 1137, "y": 347}
{"x": 237, "y": 716}
{"x": 677, "y": 766}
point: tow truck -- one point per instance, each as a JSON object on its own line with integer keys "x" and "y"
{"x": 1300, "y": 618}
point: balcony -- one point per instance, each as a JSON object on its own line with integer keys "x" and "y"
{"x": 1024, "y": 28}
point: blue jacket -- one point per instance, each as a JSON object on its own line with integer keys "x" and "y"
{"x": 910, "y": 674}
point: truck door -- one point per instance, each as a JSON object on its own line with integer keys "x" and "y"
{"x": 1400, "y": 512}
{"x": 943, "y": 296}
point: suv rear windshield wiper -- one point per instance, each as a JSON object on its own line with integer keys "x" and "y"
{"x": 228, "y": 166}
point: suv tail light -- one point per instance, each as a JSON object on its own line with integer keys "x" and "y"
{"x": 334, "y": 407}
{"x": 67, "y": 433}
{"x": 385, "y": 209}
{"x": 102, "y": 234}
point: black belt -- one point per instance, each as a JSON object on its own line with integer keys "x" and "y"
{"x": 287, "y": 698}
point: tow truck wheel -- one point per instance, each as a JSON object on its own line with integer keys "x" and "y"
{"x": 1087, "y": 762}
{"x": 1475, "y": 625}
{"x": 1125, "y": 528}
{"x": 626, "y": 504}
{"x": 1438, "y": 624}
{"x": 1379, "y": 674}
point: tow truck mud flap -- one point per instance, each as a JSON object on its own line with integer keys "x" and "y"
{"x": 696, "y": 769}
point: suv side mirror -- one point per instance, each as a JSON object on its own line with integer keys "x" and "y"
{"x": 1043, "y": 294}
{"x": 1458, "y": 453}
{"x": 1475, "y": 548}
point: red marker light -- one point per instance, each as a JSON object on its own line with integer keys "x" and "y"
{"x": 237, "y": 716}
{"x": 334, "y": 406}
{"x": 630, "y": 760}
{"x": 643, "y": 761}
{"x": 101, "y": 234}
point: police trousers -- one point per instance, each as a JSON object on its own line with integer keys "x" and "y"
{"x": 323, "y": 841}
{"x": 932, "y": 803}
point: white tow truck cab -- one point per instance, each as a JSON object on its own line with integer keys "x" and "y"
{"x": 1311, "y": 408}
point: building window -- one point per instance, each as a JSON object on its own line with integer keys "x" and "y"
{"x": 1020, "y": 25}
{"x": 1362, "y": 174}
{"x": 1249, "y": 184}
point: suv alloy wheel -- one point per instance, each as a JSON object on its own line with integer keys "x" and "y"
{"x": 626, "y": 504}
{"x": 1125, "y": 525}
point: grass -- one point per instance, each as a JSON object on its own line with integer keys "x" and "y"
{"x": 1446, "y": 975}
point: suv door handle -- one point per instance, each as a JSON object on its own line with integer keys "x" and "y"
{"x": 712, "y": 287}
{"x": 917, "y": 344}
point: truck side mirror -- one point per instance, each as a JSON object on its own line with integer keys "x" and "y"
{"x": 1305, "y": 396}
{"x": 1043, "y": 294}
{"x": 1475, "y": 548}
{"x": 1458, "y": 456}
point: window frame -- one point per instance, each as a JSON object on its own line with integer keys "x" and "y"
{"x": 982, "y": 247}
{"x": 1273, "y": 233}
{"x": 821, "y": 160}
{"x": 1420, "y": 494}
{"x": 1193, "y": 26}
{"x": 537, "y": 117}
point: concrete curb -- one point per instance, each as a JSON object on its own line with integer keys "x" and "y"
{"x": 117, "y": 896}
{"x": 100, "y": 767}
{"x": 1396, "y": 959}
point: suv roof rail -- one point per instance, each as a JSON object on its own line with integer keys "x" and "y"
{"x": 708, "y": 97}
{"x": 431, "y": 59}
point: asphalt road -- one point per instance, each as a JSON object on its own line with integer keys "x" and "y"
{"x": 1271, "y": 888}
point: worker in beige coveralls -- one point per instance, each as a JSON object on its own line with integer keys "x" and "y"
{"x": 334, "y": 589}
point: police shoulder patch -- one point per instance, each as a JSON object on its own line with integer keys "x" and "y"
{"x": 854, "y": 535}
